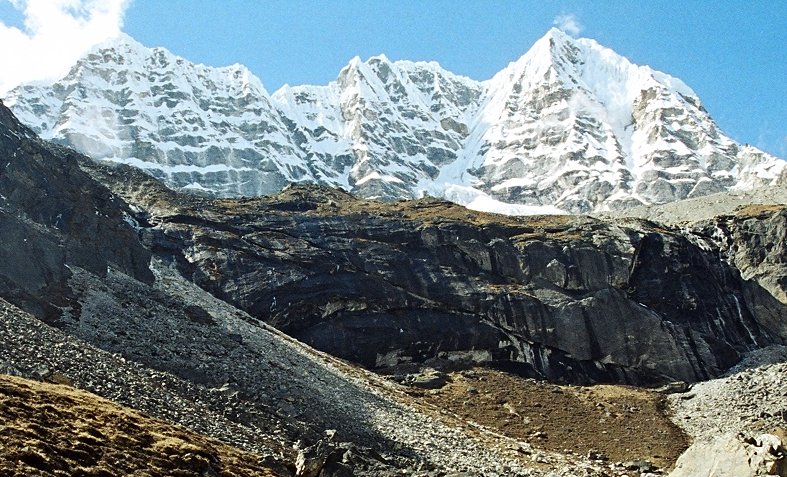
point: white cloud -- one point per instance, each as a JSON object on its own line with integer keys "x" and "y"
{"x": 55, "y": 34}
{"x": 568, "y": 23}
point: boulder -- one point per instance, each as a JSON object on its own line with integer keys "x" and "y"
{"x": 734, "y": 456}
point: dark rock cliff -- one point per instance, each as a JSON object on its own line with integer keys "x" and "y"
{"x": 569, "y": 298}
{"x": 53, "y": 215}
{"x": 70, "y": 255}
{"x": 754, "y": 240}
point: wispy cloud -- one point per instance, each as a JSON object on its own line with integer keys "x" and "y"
{"x": 569, "y": 23}
{"x": 781, "y": 147}
{"x": 54, "y": 35}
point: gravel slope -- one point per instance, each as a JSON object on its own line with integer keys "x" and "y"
{"x": 751, "y": 399}
{"x": 274, "y": 387}
{"x": 704, "y": 208}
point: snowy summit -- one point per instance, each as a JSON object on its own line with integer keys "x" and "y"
{"x": 570, "y": 126}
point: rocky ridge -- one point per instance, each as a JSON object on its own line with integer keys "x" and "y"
{"x": 569, "y": 126}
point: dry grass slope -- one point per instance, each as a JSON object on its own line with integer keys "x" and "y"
{"x": 50, "y": 429}
{"x": 624, "y": 423}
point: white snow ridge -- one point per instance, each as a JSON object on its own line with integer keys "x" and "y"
{"x": 569, "y": 127}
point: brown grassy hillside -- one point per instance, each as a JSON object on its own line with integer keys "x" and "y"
{"x": 51, "y": 429}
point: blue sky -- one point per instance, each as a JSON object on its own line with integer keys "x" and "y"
{"x": 733, "y": 54}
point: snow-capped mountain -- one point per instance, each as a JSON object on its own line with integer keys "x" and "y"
{"x": 571, "y": 125}
{"x": 575, "y": 124}
{"x": 191, "y": 125}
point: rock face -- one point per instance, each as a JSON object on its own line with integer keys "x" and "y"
{"x": 164, "y": 346}
{"x": 568, "y": 298}
{"x": 53, "y": 215}
{"x": 569, "y": 126}
{"x": 753, "y": 239}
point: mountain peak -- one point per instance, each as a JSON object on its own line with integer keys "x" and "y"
{"x": 547, "y": 54}
{"x": 381, "y": 58}
{"x": 556, "y": 34}
{"x": 554, "y": 43}
{"x": 571, "y": 124}
{"x": 120, "y": 42}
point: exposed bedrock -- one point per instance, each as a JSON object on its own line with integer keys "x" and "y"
{"x": 53, "y": 215}
{"x": 569, "y": 298}
{"x": 754, "y": 240}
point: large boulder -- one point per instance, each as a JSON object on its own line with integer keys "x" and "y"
{"x": 733, "y": 455}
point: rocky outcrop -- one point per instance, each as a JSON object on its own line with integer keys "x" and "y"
{"x": 754, "y": 239}
{"x": 704, "y": 208}
{"x": 747, "y": 229}
{"x": 734, "y": 456}
{"x": 567, "y": 298}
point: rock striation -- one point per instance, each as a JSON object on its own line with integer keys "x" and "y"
{"x": 571, "y": 299}
{"x": 570, "y": 126}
